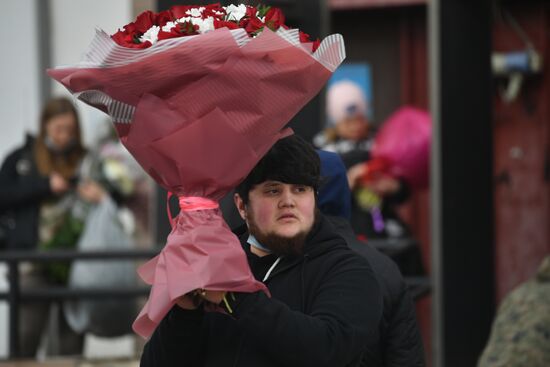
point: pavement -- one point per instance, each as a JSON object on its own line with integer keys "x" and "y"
{"x": 65, "y": 362}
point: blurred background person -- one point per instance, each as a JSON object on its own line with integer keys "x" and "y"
{"x": 349, "y": 133}
{"x": 348, "y": 126}
{"x": 109, "y": 225}
{"x": 400, "y": 343}
{"x": 520, "y": 334}
{"x": 40, "y": 191}
{"x": 376, "y": 195}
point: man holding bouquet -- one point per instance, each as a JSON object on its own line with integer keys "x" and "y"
{"x": 319, "y": 287}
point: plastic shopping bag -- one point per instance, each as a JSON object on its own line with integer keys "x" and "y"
{"x": 102, "y": 317}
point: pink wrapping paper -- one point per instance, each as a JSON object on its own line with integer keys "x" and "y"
{"x": 198, "y": 113}
{"x": 404, "y": 140}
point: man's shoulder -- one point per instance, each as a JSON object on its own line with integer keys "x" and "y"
{"x": 381, "y": 263}
{"x": 377, "y": 260}
{"x": 339, "y": 257}
{"x": 326, "y": 241}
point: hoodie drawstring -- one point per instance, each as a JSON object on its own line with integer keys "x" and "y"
{"x": 271, "y": 269}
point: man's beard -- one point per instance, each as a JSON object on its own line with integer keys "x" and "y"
{"x": 280, "y": 245}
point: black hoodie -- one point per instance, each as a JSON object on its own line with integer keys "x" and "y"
{"x": 316, "y": 315}
{"x": 400, "y": 340}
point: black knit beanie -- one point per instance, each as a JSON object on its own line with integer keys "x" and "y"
{"x": 291, "y": 160}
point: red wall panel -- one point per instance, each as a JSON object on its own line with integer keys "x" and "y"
{"x": 521, "y": 136}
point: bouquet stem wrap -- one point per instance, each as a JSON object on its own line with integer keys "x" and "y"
{"x": 198, "y": 113}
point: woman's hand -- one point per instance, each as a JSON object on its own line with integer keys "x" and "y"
{"x": 378, "y": 182}
{"x": 355, "y": 173}
{"x": 91, "y": 191}
{"x": 58, "y": 184}
{"x": 384, "y": 185}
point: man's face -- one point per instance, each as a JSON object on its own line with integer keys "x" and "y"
{"x": 280, "y": 210}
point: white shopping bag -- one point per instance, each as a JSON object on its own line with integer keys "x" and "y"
{"x": 102, "y": 317}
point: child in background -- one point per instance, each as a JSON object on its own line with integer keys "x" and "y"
{"x": 374, "y": 200}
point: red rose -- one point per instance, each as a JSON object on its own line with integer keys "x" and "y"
{"x": 129, "y": 37}
{"x": 223, "y": 23}
{"x": 164, "y": 17}
{"x": 251, "y": 25}
{"x": 144, "y": 21}
{"x": 186, "y": 28}
{"x": 316, "y": 45}
{"x": 178, "y": 11}
{"x": 304, "y": 37}
{"x": 250, "y": 12}
{"x": 121, "y": 38}
{"x": 274, "y": 18}
{"x": 181, "y": 29}
{"x": 162, "y": 35}
{"x": 125, "y": 39}
{"x": 213, "y": 10}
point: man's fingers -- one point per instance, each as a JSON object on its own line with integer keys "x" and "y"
{"x": 188, "y": 302}
{"x": 192, "y": 300}
{"x": 211, "y": 296}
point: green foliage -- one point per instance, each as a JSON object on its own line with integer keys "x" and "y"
{"x": 65, "y": 237}
{"x": 262, "y": 10}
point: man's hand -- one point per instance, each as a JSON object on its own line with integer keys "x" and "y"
{"x": 215, "y": 297}
{"x": 192, "y": 300}
{"x": 187, "y": 302}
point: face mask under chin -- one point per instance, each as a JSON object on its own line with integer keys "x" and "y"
{"x": 50, "y": 144}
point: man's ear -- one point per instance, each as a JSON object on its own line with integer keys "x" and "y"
{"x": 239, "y": 203}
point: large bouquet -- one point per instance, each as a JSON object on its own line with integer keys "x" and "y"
{"x": 198, "y": 95}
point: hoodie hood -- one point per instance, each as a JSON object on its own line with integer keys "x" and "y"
{"x": 334, "y": 197}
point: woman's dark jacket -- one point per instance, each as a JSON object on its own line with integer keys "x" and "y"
{"x": 324, "y": 311}
{"x": 22, "y": 189}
